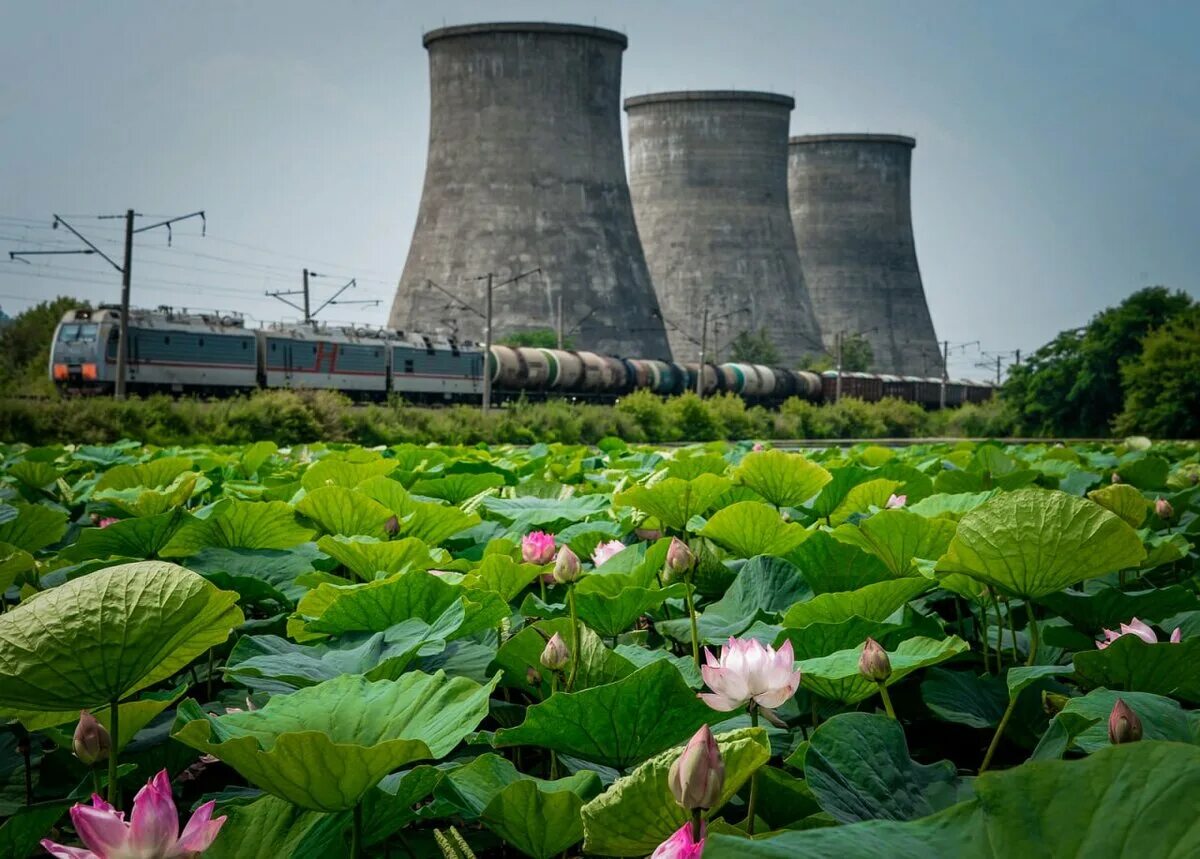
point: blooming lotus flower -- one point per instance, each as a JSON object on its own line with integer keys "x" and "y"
{"x": 537, "y": 547}
{"x": 1141, "y": 630}
{"x": 606, "y": 550}
{"x": 1124, "y": 726}
{"x": 697, "y": 776}
{"x": 566, "y": 566}
{"x": 91, "y": 742}
{"x": 555, "y": 655}
{"x": 874, "y": 663}
{"x": 748, "y": 670}
{"x": 1163, "y": 509}
{"x": 680, "y": 845}
{"x": 152, "y": 833}
{"x": 895, "y": 502}
{"x": 756, "y": 447}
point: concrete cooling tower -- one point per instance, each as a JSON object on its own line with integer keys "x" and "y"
{"x": 526, "y": 170}
{"x": 708, "y": 174}
{"x": 853, "y": 217}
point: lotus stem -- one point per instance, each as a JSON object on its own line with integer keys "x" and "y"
{"x": 114, "y": 730}
{"x": 356, "y": 833}
{"x": 208, "y": 680}
{"x": 887, "y": 700}
{"x": 1012, "y": 629}
{"x": 26, "y": 745}
{"x": 1033, "y": 635}
{"x": 999, "y": 634}
{"x": 697, "y": 824}
{"x": 97, "y": 786}
{"x": 691, "y": 608}
{"x": 574, "y": 638}
{"x": 983, "y": 638}
{"x": 753, "y": 778}
{"x": 991, "y": 750}
{"x": 542, "y": 586}
{"x": 553, "y": 754}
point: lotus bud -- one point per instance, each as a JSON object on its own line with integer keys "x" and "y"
{"x": 92, "y": 742}
{"x": 532, "y": 676}
{"x": 874, "y": 663}
{"x": 698, "y": 775}
{"x": 757, "y": 446}
{"x": 537, "y": 547}
{"x": 649, "y": 534}
{"x": 555, "y": 655}
{"x": 566, "y": 566}
{"x": 1164, "y": 510}
{"x": 1123, "y": 724}
{"x": 895, "y": 502}
{"x": 680, "y": 558}
{"x": 1053, "y": 703}
{"x": 392, "y": 526}
{"x": 1116, "y": 478}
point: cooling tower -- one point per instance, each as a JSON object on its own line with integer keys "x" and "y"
{"x": 853, "y": 218}
{"x": 526, "y": 170}
{"x": 708, "y": 175}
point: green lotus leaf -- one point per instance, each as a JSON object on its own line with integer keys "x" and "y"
{"x": 674, "y": 501}
{"x": 875, "y": 602}
{"x": 1123, "y": 500}
{"x": 611, "y": 603}
{"x": 34, "y": 527}
{"x": 428, "y": 521}
{"x": 502, "y": 576}
{"x": 637, "y": 812}
{"x": 830, "y": 565}
{"x": 1162, "y": 718}
{"x": 1131, "y": 664}
{"x": 154, "y": 474}
{"x": 143, "y": 501}
{"x": 350, "y": 728}
{"x": 341, "y": 472}
{"x": 898, "y": 537}
{"x": 20, "y": 833}
{"x": 844, "y": 478}
{"x": 135, "y": 714}
{"x": 750, "y": 528}
{"x": 1108, "y": 607}
{"x": 687, "y": 464}
{"x": 950, "y": 506}
{"x": 528, "y": 512}
{"x": 38, "y": 476}
{"x": 783, "y": 479}
{"x": 457, "y": 488}
{"x": 836, "y": 676}
{"x": 598, "y": 665}
{"x": 338, "y": 510}
{"x": 102, "y": 637}
{"x": 858, "y": 768}
{"x": 964, "y": 697}
{"x": 642, "y": 656}
{"x": 861, "y": 498}
{"x": 824, "y": 639}
{"x": 258, "y": 574}
{"x": 1034, "y": 542}
{"x": 239, "y": 525}
{"x": 142, "y": 537}
{"x": 1165, "y": 549}
{"x": 619, "y": 724}
{"x": 539, "y": 818}
{"x": 1144, "y": 471}
{"x": 367, "y": 557}
{"x": 14, "y": 562}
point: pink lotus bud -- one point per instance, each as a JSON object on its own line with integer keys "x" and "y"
{"x": 874, "y": 663}
{"x": 1123, "y": 724}
{"x": 537, "y": 547}
{"x": 555, "y": 655}
{"x": 1163, "y": 509}
{"x": 697, "y": 776}
{"x": 679, "y": 557}
{"x": 566, "y": 566}
{"x": 392, "y": 526}
{"x": 92, "y": 741}
{"x": 895, "y": 502}
{"x": 757, "y": 446}
{"x": 1116, "y": 478}
{"x": 1177, "y": 635}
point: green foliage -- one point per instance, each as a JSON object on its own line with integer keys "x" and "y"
{"x": 754, "y": 347}
{"x": 25, "y": 347}
{"x": 1162, "y": 385}
{"x": 540, "y": 338}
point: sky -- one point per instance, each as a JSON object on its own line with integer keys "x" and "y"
{"x": 1057, "y": 166}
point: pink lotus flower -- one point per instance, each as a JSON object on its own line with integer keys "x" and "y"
{"x": 106, "y": 521}
{"x": 537, "y": 547}
{"x": 1141, "y": 630}
{"x": 756, "y": 447}
{"x": 152, "y": 833}
{"x": 680, "y": 845}
{"x": 895, "y": 502}
{"x": 749, "y": 671}
{"x": 606, "y": 550}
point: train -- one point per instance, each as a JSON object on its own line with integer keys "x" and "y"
{"x": 216, "y": 354}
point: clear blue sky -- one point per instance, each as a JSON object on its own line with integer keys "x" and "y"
{"x": 1057, "y": 165}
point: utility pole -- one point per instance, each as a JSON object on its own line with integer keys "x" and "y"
{"x": 1018, "y": 360}
{"x": 305, "y": 308}
{"x": 945, "y": 372}
{"x": 307, "y": 315}
{"x": 487, "y": 350}
{"x": 559, "y": 322}
{"x": 837, "y": 391}
{"x": 703, "y": 349}
{"x": 123, "y": 329}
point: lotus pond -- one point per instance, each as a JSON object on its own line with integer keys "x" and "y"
{"x": 323, "y": 651}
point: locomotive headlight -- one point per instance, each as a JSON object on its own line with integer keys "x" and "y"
{"x": 89, "y": 372}
{"x": 60, "y": 372}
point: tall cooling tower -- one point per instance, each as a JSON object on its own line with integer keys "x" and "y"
{"x": 526, "y": 170}
{"x": 853, "y": 217}
{"x": 708, "y": 174}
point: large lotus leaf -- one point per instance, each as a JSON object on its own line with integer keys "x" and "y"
{"x": 783, "y": 479}
{"x": 1132, "y": 664}
{"x": 830, "y": 565}
{"x": 611, "y": 603}
{"x": 897, "y": 537}
{"x": 1123, "y": 800}
{"x": 135, "y": 714}
{"x": 35, "y": 475}
{"x": 1124, "y": 500}
{"x": 33, "y": 527}
{"x": 341, "y": 472}
{"x": 763, "y": 588}
{"x": 457, "y": 488}
{"x": 688, "y": 464}
{"x": 141, "y": 501}
{"x": 338, "y": 510}
{"x": 638, "y": 812}
{"x": 750, "y": 528}
{"x": 641, "y": 656}
{"x": 129, "y": 538}
{"x": 964, "y": 697}
{"x": 1034, "y": 542}
{"x": 529, "y": 512}
{"x": 426, "y": 520}
{"x": 950, "y": 506}
{"x": 619, "y": 724}
{"x": 153, "y": 474}
{"x": 378, "y": 605}
{"x": 861, "y": 498}
{"x": 467, "y": 791}
{"x": 258, "y": 573}
{"x": 102, "y": 637}
{"x": 844, "y": 478}
{"x": 1165, "y": 549}
{"x": 858, "y": 767}
{"x": 1106, "y": 606}
{"x": 674, "y": 501}
{"x": 1162, "y": 718}
{"x": 367, "y": 557}
{"x": 325, "y": 746}
{"x": 875, "y": 602}
{"x": 837, "y": 677}
{"x": 502, "y": 576}
{"x": 239, "y": 525}
{"x": 13, "y": 562}
{"x": 597, "y": 666}
{"x": 537, "y": 818}
{"x": 823, "y": 639}
{"x": 20, "y": 833}
{"x": 1145, "y": 472}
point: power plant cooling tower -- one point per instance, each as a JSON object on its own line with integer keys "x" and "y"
{"x": 525, "y": 171}
{"x": 853, "y": 217}
{"x": 708, "y": 174}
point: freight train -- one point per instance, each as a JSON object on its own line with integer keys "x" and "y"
{"x": 214, "y": 354}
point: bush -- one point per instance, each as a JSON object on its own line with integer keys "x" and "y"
{"x": 1162, "y": 386}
